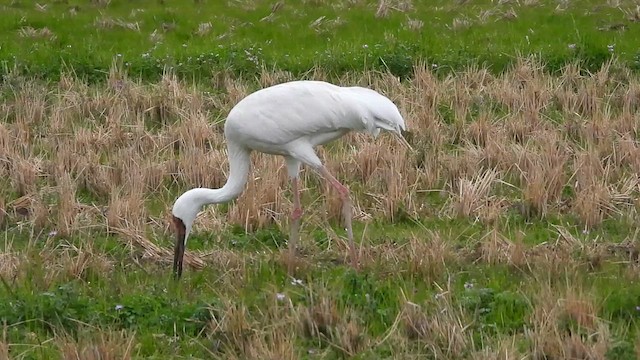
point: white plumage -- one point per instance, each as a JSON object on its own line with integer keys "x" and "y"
{"x": 289, "y": 119}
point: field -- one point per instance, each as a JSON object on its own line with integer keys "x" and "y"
{"x": 509, "y": 233}
{"x": 243, "y": 36}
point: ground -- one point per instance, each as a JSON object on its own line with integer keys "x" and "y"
{"x": 509, "y": 233}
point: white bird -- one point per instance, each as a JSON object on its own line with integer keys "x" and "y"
{"x": 289, "y": 119}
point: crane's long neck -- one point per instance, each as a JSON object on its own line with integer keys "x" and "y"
{"x": 187, "y": 206}
{"x": 239, "y": 165}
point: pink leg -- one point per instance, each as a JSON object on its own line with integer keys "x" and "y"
{"x": 296, "y": 214}
{"x": 346, "y": 212}
{"x": 297, "y": 208}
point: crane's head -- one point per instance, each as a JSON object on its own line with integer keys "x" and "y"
{"x": 185, "y": 210}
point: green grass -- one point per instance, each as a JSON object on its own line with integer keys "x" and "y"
{"x": 120, "y": 297}
{"x": 170, "y": 319}
{"x": 349, "y": 38}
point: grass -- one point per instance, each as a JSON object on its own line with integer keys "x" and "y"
{"x": 338, "y": 37}
{"x": 467, "y": 252}
{"x": 510, "y": 232}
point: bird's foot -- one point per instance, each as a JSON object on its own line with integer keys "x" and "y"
{"x": 355, "y": 264}
{"x": 296, "y": 251}
{"x": 355, "y": 259}
{"x": 291, "y": 260}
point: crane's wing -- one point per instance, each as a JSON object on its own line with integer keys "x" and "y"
{"x": 287, "y": 112}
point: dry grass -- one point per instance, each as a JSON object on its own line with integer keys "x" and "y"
{"x": 30, "y": 32}
{"x": 445, "y": 329}
{"x": 105, "y": 346}
{"x": 473, "y": 194}
{"x": 128, "y": 154}
{"x": 323, "y": 321}
{"x": 4, "y": 346}
{"x": 236, "y": 334}
{"x": 567, "y": 327}
{"x": 79, "y": 161}
{"x": 110, "y": 23}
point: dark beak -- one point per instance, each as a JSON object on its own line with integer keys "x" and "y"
{"x": 178, "y": 252}
{"x": 404, "y": 142}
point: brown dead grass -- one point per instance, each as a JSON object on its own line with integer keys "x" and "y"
{"x": 76, "y": 157}
{"x": 427, "y": 257}
{"x": 10, "y": 264}
{"x": 80, "y": 160}
{"x": 324, "y": 321}
{"x": 106, "y": 345}
{"x": 565, "y": 325}
{"x": 444, "y": 329}
{"x": 4, "y": 345}
{"x": 110, "y": 23}
{"x": 30, "y": 32}
{"x": 236, "y": 333}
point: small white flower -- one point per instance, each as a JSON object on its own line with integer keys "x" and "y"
{"x": 365, "y": 46}
{"x": 53, "y": 233}
{"x": 468, "y": 285}
{"x": 572, "y": 46}
{"x": 280, "y": 296}
{"x": 296, "y": 282}
{"x": 119, "y": 307}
